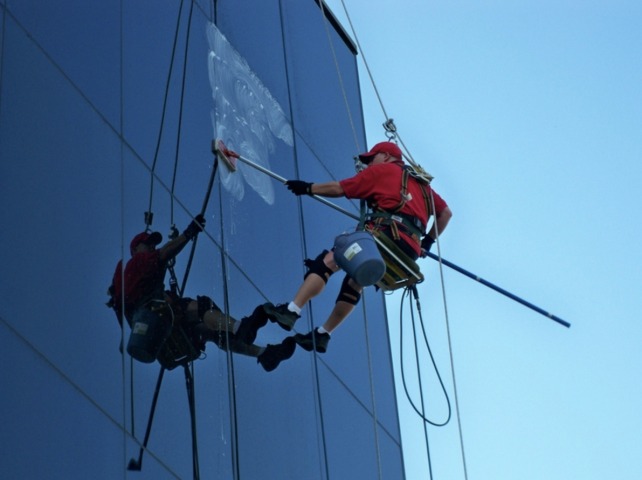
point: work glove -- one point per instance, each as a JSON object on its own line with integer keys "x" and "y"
{"x": 426, "y": 243}
{"x": 299, "y": 187}
{"x": 195, "y": 227}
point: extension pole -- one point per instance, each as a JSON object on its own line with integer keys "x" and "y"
{"x": 500, "y": 290}
{"x": 219, "y": 148}
{"x": 203, "y": 208}
{"x": 189, "y": 384}
{"x": 137, "y": 464}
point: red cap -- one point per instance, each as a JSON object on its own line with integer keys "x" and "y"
{"x": 153, "y": 239}
{"x": 382, "y": 147}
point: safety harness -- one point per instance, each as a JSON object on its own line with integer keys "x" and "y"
{"x": 394, "y": 219}
{"x": 401, "y": 269}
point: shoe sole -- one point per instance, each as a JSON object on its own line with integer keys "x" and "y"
{"x": 284, "y": 322}
{"x": 270, "y": 364}
{"x": 307, "y": 345}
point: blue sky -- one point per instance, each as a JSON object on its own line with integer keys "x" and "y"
{"x": 529, "y": 116}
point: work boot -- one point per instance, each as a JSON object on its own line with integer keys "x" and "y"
{"x": 250, "y": 325}
{"x": 320, "y": 341}
{"x": 275, "y": 354}
{"x": 281, "y": 315}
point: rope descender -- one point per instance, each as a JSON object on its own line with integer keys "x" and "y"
{"x": 391, "y": 130}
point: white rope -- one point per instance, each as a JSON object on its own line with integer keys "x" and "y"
{"x": 395, "y": 135}
{"x": 365, "y": 63}
{"x": 450, "y": 347}
{"x": 365, "y": 318}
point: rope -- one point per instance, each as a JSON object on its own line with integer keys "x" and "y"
{"x": 318, "y": 405}
{"x": 432, "y": 359}
{"x": 356, "y": 142}
{"x": 149, "y": 215}
{"x": 450, "y": 347}
{"x": 180, "y": 112}
{"x": 387, "y": 124}
{"x": 365, "y": 63}
{"x": 231, "y": 382}
{"x": 421, "y": 393}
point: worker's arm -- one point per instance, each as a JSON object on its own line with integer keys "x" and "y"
{"x": 327, "y": 189}
{"x": 440, "y": 223}
{"x": 438, "y": 226}
{"x": 174, "y": 247}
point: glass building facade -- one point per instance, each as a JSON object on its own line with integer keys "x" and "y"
{"x": 108, "y": 110}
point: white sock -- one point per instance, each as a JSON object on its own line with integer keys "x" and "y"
{"x": 293, "y": 307}
{"x": 322, "y": 330}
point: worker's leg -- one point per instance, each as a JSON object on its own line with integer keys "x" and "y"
{"x": 318, "y": 339}
{"x": 319, "y": 271}
{"x": 315, "y": 280}
{"x": 235, "y": 335}
{"x": 205, "y": 310}
{"x": 215, "y": 321}
{"x": 349, "y": 296}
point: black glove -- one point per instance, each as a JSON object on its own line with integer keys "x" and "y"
{"x": 299, "y": 187}
{"x": 195, "y": 227}
{"x": 426, "y": 243}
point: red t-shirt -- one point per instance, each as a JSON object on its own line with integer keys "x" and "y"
{"x": 144, "y": 279}
{"x": 381, "y": 185}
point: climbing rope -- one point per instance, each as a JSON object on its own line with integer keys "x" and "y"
{"x": 393, "y": 135}
{"x": 149, "y": 215}
{"x": 357, "y": 147}
{"x": 189, "y": 369}
{"x": 406, "y": 294}
{"x": 180, "y": 112}
{"x": 450, "y": 346}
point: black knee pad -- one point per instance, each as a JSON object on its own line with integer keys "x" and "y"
{"x": 318, "y": 267}
{"x": 205, "y": 304}
{"x": 347, "y": 293}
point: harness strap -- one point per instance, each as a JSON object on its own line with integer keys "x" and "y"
{"x": 393, "y": 218}
{"x": 412, "y": 224}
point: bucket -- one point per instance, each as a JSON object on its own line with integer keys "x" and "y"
{"x": 150, "y": 329}
{"x": 357, "y": 254}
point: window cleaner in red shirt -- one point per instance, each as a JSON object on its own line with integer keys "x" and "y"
{"x": 380, "y": 184}
{"x": 140, "y": 289}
